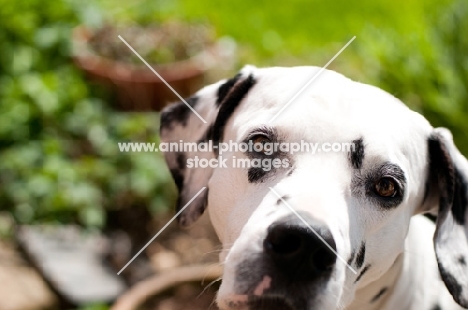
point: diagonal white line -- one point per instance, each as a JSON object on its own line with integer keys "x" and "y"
{"x": 164, "y": 81}
{"x": 312, "y": 79}
{"x": 162, "y": 229}
{"x": 313, "y": 230}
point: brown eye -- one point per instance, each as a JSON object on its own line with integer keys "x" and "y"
{"x": 386, "y": 187}
{"x": 259, "y": 142}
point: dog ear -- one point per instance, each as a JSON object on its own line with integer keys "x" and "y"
{"x": 180, "y": 125}
{"x": 449, "y": 175}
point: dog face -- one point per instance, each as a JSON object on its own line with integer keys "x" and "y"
{"x": 309, "y": 231}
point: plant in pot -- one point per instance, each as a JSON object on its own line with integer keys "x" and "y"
{"x": 180, "y": 52}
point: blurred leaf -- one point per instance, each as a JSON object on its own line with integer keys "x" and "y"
{"x": 59, "y": 159}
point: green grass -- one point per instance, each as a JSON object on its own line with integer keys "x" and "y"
{"x": 272, "y": 30}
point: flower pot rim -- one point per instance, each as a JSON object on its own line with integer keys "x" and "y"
{"x": 125, "y": 72}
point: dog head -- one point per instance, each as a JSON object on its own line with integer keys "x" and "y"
{"x": 306, "y": 229}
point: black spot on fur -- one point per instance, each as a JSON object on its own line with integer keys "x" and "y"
{"x": 361, "y": 255}
{"x": 451, "y": 282}
{"x": 452, "y": 201}
{"x": 441, "y": 174}
{"x": 459, "y": 200}
{"x": 279, "y": 201}
{"x": 362, "y": 273}
{"x": 290, "y": 172}
{"x": 224, "y": 89}
{"x": 271, "y": 303}
{"x": 229, "y": 105}
{"x": 256, "y": 175}
{"x": 177, "y": 173}
{"x": 178, "y": 178}
{"x": 181, "y": 161}
{"x": 351, "y": 258}
{"x": 432, "y": 217}
{"x": 428, "y": 187}
{"x": 178, "y": 113}
{"x": 196, "y": 209}
{"x": 356, "y": 156}
{"x": 436, "y": 307}
{"x": 461, "y": 260}
{"x": 207, "y": 135}
{"x": 379, "y": 294}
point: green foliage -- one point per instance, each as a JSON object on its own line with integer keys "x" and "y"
{"x": 428, "y": 72}
{"x": 281, "y": 33}
{"x": 94, "y": 307}
{"x": 59, "y": 159}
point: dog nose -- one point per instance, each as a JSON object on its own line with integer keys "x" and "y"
{"x": 299, "y": 251}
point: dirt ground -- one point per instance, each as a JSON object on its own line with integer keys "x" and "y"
{"x": 176, "y": 247}
{"x": 174, "y": 250}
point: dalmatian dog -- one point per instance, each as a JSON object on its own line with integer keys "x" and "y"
{"x": 329, "y": 230}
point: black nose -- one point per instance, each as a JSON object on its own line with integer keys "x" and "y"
{"x": 297, "y": 251}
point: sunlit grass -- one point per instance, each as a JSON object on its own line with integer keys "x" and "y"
{"x": 297, "y": 28}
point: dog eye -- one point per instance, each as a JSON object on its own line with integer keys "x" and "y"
{"x": 259, "y": 143}
{"x": 386, "y": 187}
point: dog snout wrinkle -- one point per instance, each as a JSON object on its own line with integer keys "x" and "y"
{"x": 298, "y": 252}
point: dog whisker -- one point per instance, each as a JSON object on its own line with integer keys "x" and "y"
{"x": 214, "y": 265}
{"x": 209, "y": 285}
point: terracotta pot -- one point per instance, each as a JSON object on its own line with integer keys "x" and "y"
{"x": 136, "y": 87}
